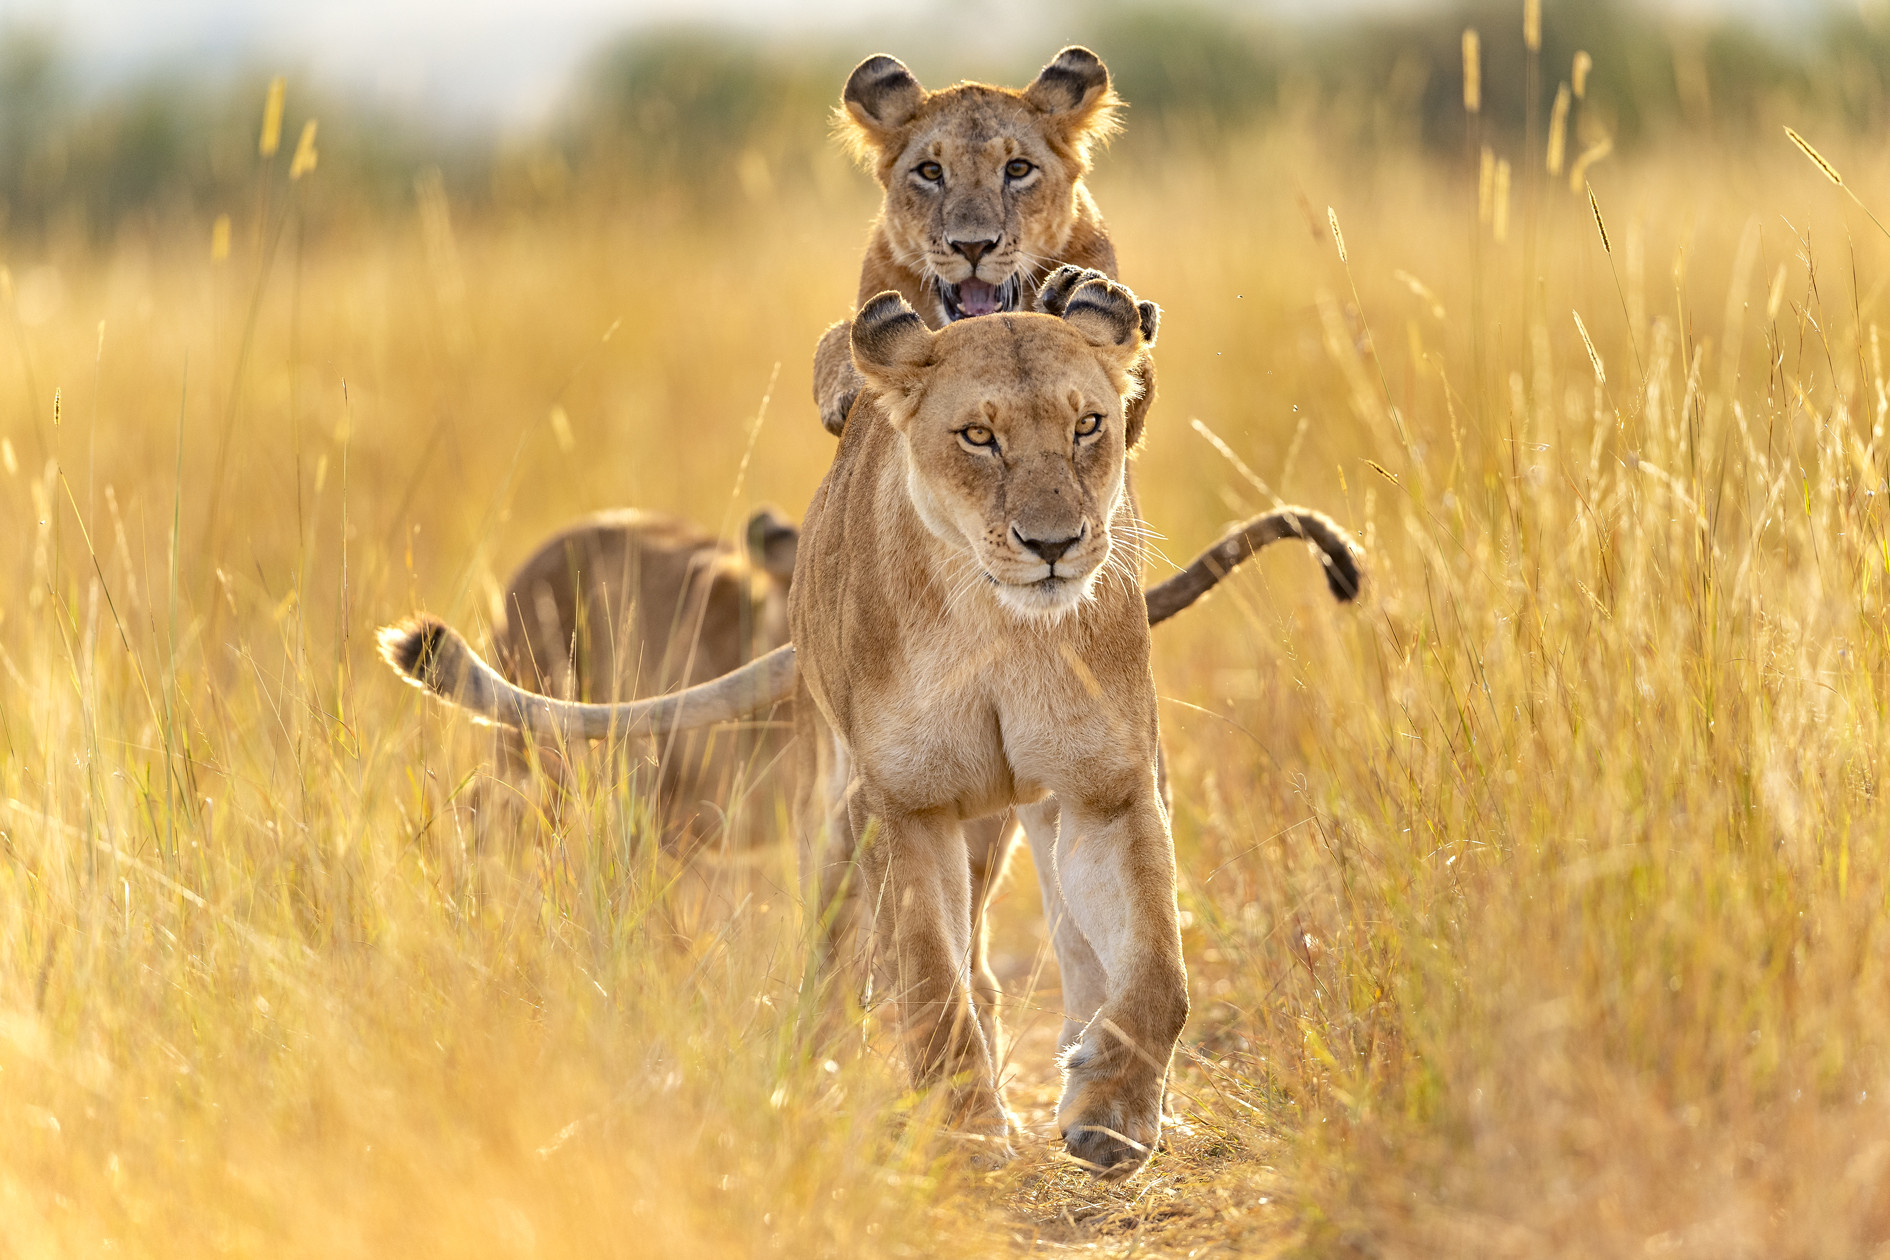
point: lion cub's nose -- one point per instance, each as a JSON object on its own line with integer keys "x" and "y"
{"x": 974, "y": 250}
{"x": 1050, "y": 549}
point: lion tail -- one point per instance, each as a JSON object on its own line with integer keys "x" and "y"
{"x": 434, "y": 657}
{"x": 1339, "y": 553}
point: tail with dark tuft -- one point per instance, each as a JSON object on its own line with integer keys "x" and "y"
{"x": 1339, "y": 555}
{"x": 420, "y": 648}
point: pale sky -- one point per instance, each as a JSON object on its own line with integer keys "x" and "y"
{"x": 509, "y": 61}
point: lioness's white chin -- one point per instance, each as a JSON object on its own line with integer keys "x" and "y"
{"x": 1047, "y": 599}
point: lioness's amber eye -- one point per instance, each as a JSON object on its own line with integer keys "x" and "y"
{"x": 1088, "y": 425}
{"x": 932, "y": 171}
{"x": 1017, "y": 168}
{"x": 978, "y": 435}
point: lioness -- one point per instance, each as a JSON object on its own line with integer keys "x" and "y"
{"x": 984, "y": 195}
{"x": 626, "y": 604}
{"x": 954, "y": 671}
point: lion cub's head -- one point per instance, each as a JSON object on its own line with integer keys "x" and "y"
{"x": 982, "y": 183}
{"x": 1014, "y": 432}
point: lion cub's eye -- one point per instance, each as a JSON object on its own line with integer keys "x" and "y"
{"x": 978, "y": 435}
{"x": 1089, "y": 425}
{"x": 931, "y": 171}
{"x": 1017, "y": 168}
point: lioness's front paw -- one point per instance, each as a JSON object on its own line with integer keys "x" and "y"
{"x": 1110, "y": 1114}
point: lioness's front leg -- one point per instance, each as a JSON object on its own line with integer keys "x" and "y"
{"x": 837, "y": 383}
{"x": 1085, "y": 983}
{"x": 915, "y": 889}
{"x": 1116, "y": 870}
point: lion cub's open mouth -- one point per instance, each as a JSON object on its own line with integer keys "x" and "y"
{"x": 975, "y": 297}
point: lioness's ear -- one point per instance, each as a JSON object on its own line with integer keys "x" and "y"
{"x": 880, "y": 98}
{"x": 891, "y": 347}
{"x": 1073, "y": 93}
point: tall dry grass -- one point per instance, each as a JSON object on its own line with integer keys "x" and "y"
{"x": 1533, "y": 907}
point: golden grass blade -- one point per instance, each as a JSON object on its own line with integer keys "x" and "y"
{"x": 1578, "y": 74}
{"x": 1594, "y": 358}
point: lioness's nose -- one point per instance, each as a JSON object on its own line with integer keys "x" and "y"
{"x": 1050, "y": 549}
{"x": 974, "y": 250}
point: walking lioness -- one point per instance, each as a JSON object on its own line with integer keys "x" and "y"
{"x": 968, "y": 636}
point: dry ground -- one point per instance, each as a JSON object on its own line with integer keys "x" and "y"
{"x": 1535, "y": 906}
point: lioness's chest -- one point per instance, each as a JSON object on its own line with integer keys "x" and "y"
{"x": 997, "y": 724}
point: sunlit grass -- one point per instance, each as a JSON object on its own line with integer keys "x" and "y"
{"x": 1533, "y": 906}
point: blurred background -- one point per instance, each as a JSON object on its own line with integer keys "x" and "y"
{"x": 115, "y": 115}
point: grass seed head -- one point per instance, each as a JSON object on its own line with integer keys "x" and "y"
{"x": 1558, "y": 130}
{"x": 1830, "y": 171}
{"x": 1472, "y": 71}
{"x": 1579, "y": 74}
{"x": 1532, "y": 25}
{"x": 1338, "y": 237}
{"x": 1599, "y": 225}
{"x": 1578, "y": 173}
{"x": 271, "y": 138}
{"x": 305, "y": 155}
{"x": 1601, "y": 373}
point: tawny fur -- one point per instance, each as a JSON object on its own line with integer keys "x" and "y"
{"x": 628, "y": 604}
{"x": 973, "y": 131}
{"x": 952, "y": 682}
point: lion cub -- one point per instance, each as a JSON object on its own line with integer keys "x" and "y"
{"x": 966, "y": 617}
{"x": 984, "y": 195}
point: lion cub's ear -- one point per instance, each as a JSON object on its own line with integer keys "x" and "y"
{"x": 892, "y": 347}
{"x": 1074, "y": 94}
{"x": 880, "y": 98}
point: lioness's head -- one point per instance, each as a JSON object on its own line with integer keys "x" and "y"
{"x": 1014, "y": 431}
{"x": 982, "y": 183}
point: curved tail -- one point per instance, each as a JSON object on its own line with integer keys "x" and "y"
{"x": 1339, "y": 553}
{"x": 437, "y": 659}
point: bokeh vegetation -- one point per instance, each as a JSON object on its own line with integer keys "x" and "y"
{"x": 1536, "y": 906}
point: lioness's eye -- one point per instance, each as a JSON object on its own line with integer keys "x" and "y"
{"x": 978, "y": 435}
{"x": 1017, "y": 168}
{"x": 932, "y": 171}
{"x": 1089, "y": 424}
